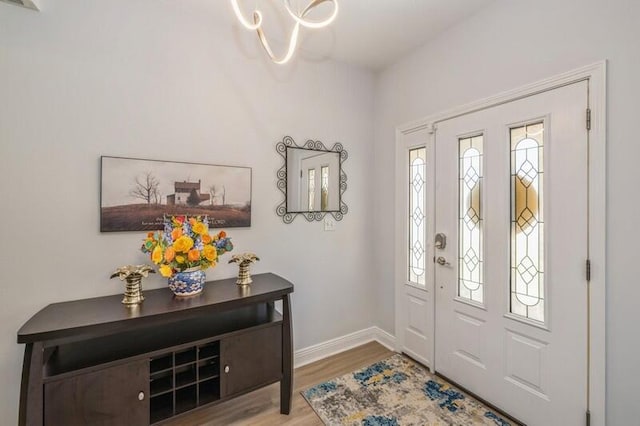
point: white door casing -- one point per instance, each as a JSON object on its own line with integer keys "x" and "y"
{"x": 518, "y": 340}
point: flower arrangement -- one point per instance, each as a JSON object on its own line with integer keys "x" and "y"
{"x": 184, "y": 244}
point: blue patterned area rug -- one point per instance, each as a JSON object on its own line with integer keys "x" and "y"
{"x": 396, "y": 392}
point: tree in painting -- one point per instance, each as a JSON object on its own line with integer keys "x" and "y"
{"x": 146, "y": 188}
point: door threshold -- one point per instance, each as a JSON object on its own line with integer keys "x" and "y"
{"x": 482, "y": 400}
{"x": 471, "y": 394}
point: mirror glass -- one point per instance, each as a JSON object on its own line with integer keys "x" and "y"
{"x": 313, "y": 180}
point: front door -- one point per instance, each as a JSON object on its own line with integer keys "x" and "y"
{"x": 510, "y": 285}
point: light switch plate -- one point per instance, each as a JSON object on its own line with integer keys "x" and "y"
{"x": 329, "y": 223}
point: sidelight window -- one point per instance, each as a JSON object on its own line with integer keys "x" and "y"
{"x": 470, "y": 218}
{"x": 527, "y": 222}
{"x": 417, "y": 219}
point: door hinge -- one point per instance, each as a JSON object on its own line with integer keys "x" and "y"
{"x": 588, "y": 418}
{"x": 588, "y": 118}
{"x": 588, "y": 269}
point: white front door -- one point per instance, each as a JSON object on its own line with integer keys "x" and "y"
{"x": 510, "y": 285}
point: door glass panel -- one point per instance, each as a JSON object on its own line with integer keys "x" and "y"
{"x": 470, "y": 256}
{"x": 324, "y": 188}
{"x": 527, "y": 225}
{"x": 417, "y": 219}
{"x": 311, "y": 178}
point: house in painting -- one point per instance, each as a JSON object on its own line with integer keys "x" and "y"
{"x": 184, "y": 190}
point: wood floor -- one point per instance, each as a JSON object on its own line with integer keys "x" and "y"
{"x": 262, "y": 407}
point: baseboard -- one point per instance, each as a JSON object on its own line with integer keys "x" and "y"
{"x": 322, "y": 350}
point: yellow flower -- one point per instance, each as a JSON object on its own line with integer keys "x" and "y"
{"x": 180, "y": 259}
{"x": 210, "y": 253}
{"x": 166, "y": 271}
{"x": 183, "y": 244}
{"x": 199, "y": 228}
{"x": 156, "y": 255}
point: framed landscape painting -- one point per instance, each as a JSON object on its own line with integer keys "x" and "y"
{"x": 136, "y": 194}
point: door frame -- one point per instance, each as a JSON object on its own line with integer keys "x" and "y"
{"x": 596, "y": 75}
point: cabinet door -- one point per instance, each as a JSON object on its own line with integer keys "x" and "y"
{"x": 113, "y": 396}
{"x": 250, "y": 359}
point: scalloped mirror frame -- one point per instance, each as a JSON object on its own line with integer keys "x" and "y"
{"x": 281, "y": 210}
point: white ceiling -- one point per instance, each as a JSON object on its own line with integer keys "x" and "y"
{"x": 369, "y": 33}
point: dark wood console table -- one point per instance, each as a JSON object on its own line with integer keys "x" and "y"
{"x": 95, "y": 361}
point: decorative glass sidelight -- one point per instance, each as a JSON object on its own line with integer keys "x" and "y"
{"x": 527, "y": 222}
{"x": 324, "y": 188}
{"x": 470, "y": 218}
{"x": 417, "y": 219}
{"x": 311, "y": 179}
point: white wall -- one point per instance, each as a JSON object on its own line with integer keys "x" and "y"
{"x": 161, "y": 80}
{"x": 507, "y": 45}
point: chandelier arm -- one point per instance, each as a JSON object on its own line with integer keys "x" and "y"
{"x": 293, "y": 41}
{"x": 257, "y": 23}
{"x": 311, "y": 24}
{"x": 299, "y": 21}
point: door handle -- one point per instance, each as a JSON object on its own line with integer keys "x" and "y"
{"x": 442, "y": 261}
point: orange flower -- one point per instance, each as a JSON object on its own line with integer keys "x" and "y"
{"x": 176, "y": 233}
{"x": 193, "y": 255}
{"x": 150, "y": 235}
{"x": 192, "y": 221}
{"x": 222, "y": 234}
{"x": 169, "y": 254}
{"x": 206, "y": 239}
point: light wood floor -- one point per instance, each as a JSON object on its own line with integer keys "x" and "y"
{"x": 262, "y": 407}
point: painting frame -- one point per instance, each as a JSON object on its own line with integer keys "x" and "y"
{"x": 136, "y": 193}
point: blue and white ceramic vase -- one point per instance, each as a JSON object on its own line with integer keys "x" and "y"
{"x": 187, "y": 282}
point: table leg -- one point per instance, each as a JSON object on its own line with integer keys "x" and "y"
{"x": 286, "y": 385}
{"x": 31, "y": 398}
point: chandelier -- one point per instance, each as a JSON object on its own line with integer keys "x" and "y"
{"x": 298, "y": 17}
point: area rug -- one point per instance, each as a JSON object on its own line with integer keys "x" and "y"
{"x": 396, "y": 392}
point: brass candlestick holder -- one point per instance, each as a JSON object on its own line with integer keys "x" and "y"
{"x": 244, "y": 261}
{"x": 133, "y": 275}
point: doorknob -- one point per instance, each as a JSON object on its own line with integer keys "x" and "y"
{"x": 442, "y": 261}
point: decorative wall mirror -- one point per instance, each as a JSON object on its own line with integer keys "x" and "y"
{"x": 312, "y": 180}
